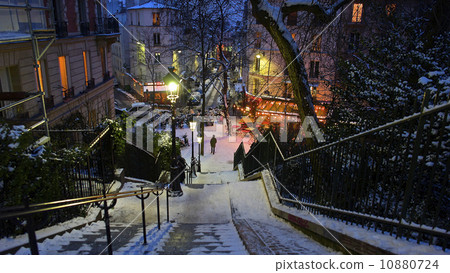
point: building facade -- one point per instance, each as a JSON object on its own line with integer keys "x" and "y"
{"x": 153, "y": 47}
{"x": 73, "y": 61}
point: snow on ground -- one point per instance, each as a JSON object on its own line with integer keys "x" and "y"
{"x": 384, "y": 241}
{"x": 249, "y": 202}
{"x": 11, "y": 242}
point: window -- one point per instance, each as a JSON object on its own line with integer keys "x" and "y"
{"x": 86, "y": 72}
{"x": 258, "y": 40}
{"x": 9, "y": 82}
{"x": 390, "y": 8}
{"x": 41, "y": 79}
{"x": 357, "y": 13}
{"x": 256, "y": 86}
{"x": 82, "y": 11}
{"x": 157, "y": 57}
{"x": 317, "y": 43}
{"x": 156, "y": 19}
{"x": 64, "y": 77}
{"x": 257, "y": 64}
{"x": 131, "y": 18}
{"x": 313, "y": 90}
{"x": 138, "y": 19}
{"x": 354, "y": 41}
{"x": 156, "y": 38}
{"x": 292, "y": 19}
{"x": 103, "y": 60}
{"x": 314, "y": 69}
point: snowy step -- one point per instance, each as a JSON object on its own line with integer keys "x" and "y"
{"x": 90, "y": 239}
{"x": 202, "y": 239}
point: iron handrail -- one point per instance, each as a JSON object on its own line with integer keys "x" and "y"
{"x": 345, "y": 173}
{"x": 76, "y": 202}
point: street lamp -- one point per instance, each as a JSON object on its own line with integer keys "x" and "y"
{"x": 172, "y": 81}
{"x": 192, "y": 126}
{"x": 199, "y": 140}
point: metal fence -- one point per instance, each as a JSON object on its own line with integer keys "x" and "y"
{"x": 392, "y": 179}
{"x": 81, "y": 177}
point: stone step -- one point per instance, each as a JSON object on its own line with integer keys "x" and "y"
{"x": 202, "y": 239}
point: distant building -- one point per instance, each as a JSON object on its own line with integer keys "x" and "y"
{"x": 73, "y": 60}
{"x": 267, "y": 81}
{"x": 153, "y": 47}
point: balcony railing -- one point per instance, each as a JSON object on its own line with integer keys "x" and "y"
{"x": 85, "y": 28}
{"x": 68, "y": 94}
{"x": 61, "y": 29}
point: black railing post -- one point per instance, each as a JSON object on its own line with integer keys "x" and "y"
{"x": 89, "y": 175}
{"x": 167, "y": 204}
{"x": 143, "y": 216}
{"x": 31, "y": 231}
{"x": 32, "y": 235}
{"x": 157, "y": 210}
{"x": 107, "y": 226}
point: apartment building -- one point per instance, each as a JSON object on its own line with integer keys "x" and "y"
{"x": 153, "y": 47}
{"x": 321, "y": 47}
{"x": 63, "y": 52}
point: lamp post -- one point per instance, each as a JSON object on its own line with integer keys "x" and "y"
{"x": 199, "y": 140}
{"x": 172, "y": 80}
{"x": 192, "y": 126}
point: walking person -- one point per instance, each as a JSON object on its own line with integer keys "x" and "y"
{"x": 213, "y": 143}
{"x": 178, "y": 166}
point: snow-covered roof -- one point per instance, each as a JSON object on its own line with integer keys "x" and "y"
{"x": 152, "y": 5}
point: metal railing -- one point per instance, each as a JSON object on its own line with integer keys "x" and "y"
{"x": 79, "y": 177}
{"x": 28, "y": 212}
{"x": 392, "y": 179}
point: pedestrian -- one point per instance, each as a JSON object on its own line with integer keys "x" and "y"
{"x": 178, "y": 165}
{"x": 213, "y": 143}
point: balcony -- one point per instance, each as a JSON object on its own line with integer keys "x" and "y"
{"x": 68, "y": 94}
{"x": 61, "y": 29}
{"x": 90, "y": 84}
{"x": 85, "y": 28}
{"x": 107, "y": 26}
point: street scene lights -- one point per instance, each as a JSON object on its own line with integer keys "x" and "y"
{"x": 199, "y": 140}
{"x": 192, "y": 126}
{"x": 172, "y": 81}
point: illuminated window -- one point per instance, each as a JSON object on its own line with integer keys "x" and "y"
{"x": 390, "y": 8}
{"x": 314, "y": 69}
{"x": 258, "y": 64}
{"x": 317, "y": 44}
{"x": 86, "y": 74}
{"x": 357, "y": 13}
{"x": 157, "y": 57}
{"x": 63, "y": 73}
{"x": 258, "y": 40}
{"x": 156, "y": 19}
{"x": 103, "y": 60}
{"x": 41, "y": 80}
{"x": 293, "y": 36}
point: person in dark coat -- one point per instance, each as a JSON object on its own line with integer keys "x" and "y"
{"x": 178, "y": 166}
{"x": 213, "y": 143}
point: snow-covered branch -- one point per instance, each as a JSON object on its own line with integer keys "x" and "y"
{"x": 313, "y": 6}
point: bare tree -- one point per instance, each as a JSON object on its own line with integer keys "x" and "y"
{"x": 272, "y": 18}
